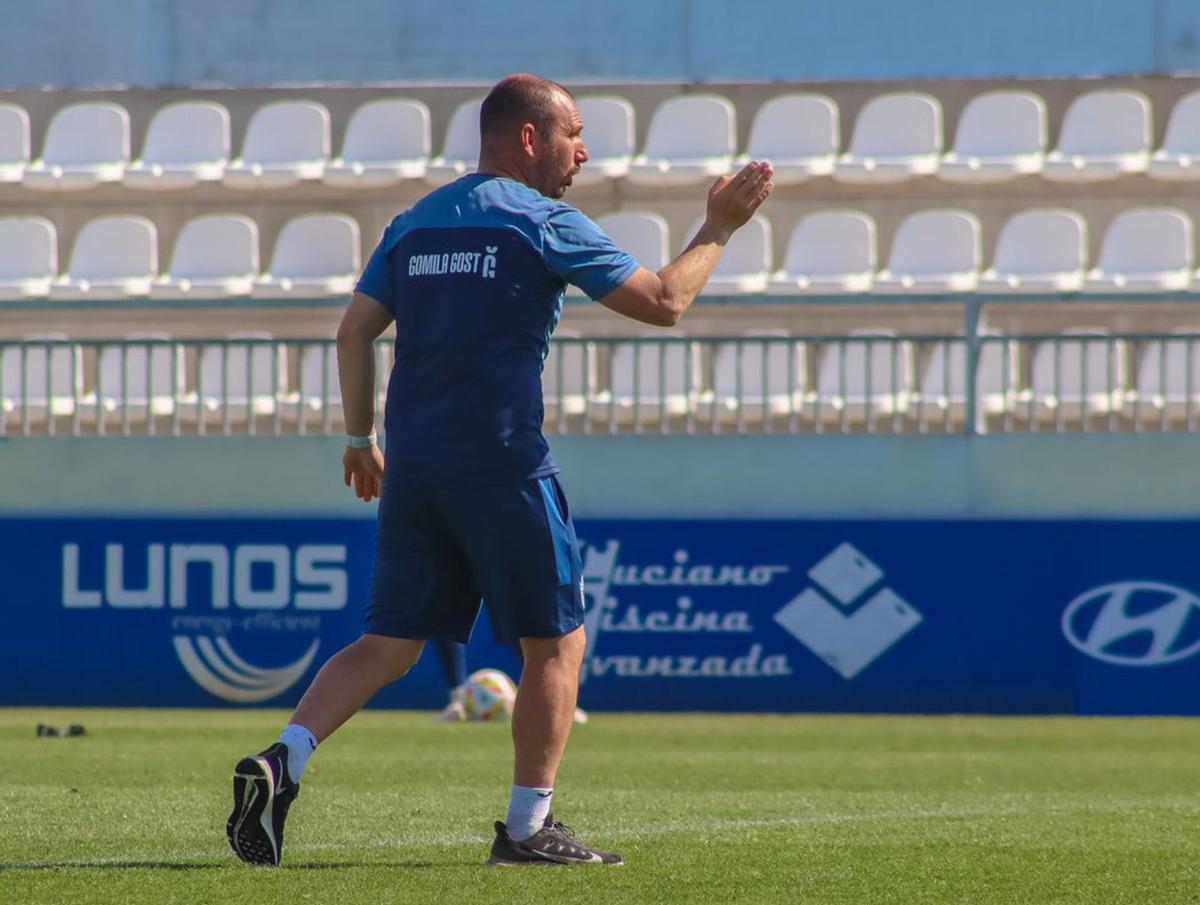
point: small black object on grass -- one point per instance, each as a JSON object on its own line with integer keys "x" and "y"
{"x": 45, "y": 730}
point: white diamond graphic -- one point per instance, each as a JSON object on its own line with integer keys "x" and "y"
{"x": 845, "y": 573}
{"x": 851, "y": 643}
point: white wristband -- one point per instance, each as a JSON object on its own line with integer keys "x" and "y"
{"x": 360, "y": 442}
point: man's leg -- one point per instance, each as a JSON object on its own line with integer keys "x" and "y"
{"x": 265, "y": 785}
{"x": 349, "y": 678}
{"x": 581, "y": 715}
{"x": 545, "y": 707}
{"x": 542, "y": 719}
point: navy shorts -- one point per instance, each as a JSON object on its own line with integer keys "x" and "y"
{"x": 442, "y": 550}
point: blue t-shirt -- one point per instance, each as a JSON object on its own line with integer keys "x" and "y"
{"x": 474, "y": 274}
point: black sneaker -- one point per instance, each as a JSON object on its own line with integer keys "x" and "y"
{"x": 553, "y": 844}
{"x": 262, "y": 794}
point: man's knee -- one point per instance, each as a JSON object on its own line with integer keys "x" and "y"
{"x": 394, "y": 655}
{"x": 567, "y": 647}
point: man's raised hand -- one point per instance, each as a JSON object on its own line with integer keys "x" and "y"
{"x": 733, "y": 199}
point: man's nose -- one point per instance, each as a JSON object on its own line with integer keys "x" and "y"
{"x": 581, "y": 154}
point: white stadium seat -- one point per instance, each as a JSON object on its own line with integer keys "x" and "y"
{"x": 86, "y": 145}
{"x": 1039, "y": 251}
{"x": 316, "y": 255}
{"x": 569, "y": 375}
{"x": 256, "y": 371}
{"x": 28, "y": 257}
{"x": 113, "y": 257}
{"x": 643, "y": 235}
{"x": 896, "y": 137}
{"x": 144, "y": 374}
{"x": 867, "y": 375}
{"x": 691, "y": 140}
{"x": 760, "y": 376}
{"x": 186, "y": 144}
{"x": 745, "y": 266}
{"x": 386, "y": 141}
{"x": 215, "y": 257}
{"x": 14, "y": 142}
{"x": 933, "y": 252}
{"x": 654, "y": 379}
{"x": 1146, "y": 249}
{"x": 286, "y": 142}
{"x": 1105, "y": 134}
{"x": 798, "y": 134}
{"x": 460, "y": 152}
{"x": 1169, "y": 376}
{"x": 608, "y": 133}
{"x": 1001, "y": 135}
{"x": 1084, "y": 371}
{"x": 46, "y": 374}
{"x": 1179, "y": 156}
{"x": 829, "y": 253}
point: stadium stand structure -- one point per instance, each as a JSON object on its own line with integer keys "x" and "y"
{"x": 874, "y": 226}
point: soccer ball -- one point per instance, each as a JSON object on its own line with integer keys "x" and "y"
{"x": 488, "y": 695}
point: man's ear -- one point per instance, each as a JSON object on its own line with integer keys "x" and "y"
{"x": 528, "y": 138}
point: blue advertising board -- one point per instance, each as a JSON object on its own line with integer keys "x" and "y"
{"x": 1092, "y": 617}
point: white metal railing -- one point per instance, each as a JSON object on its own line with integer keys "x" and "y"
{"x": 771, "y": 382}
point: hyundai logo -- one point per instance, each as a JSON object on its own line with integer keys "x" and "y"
{"x": 1134, "y": 623}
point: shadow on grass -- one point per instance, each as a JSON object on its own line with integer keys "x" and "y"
{"x": 208, "y": 865}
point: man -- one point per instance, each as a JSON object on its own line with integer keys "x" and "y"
{"x": 470, "y": 505}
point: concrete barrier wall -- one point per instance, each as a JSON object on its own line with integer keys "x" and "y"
{"x": 1011, "y": 476}
{"x": 257, "y": 42}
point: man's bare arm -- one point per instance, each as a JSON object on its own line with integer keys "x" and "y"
{"x": 365, "y": 319}
{"x": 661, "y": 298}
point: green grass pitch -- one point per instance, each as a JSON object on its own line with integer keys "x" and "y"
{"x": 762, "y": 809}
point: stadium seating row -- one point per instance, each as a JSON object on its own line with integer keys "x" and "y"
{"x": 829, "y": 253}
{"x": 938, "y": 252}
{"x": 215, "y": 257}
{"x": 765, "y": 372}
{"x": 691, "y": 138}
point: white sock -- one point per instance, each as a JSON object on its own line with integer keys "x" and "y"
{"x": 300, "y": 744}
{"x": 527, "y": 811}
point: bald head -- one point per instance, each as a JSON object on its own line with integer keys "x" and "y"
{"x": 531, "y": 131}
{"x": 519, "y": 99}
